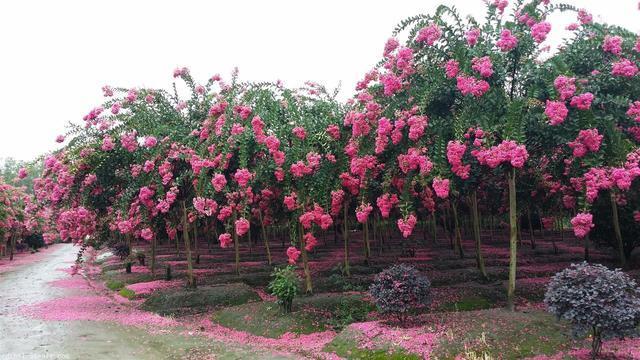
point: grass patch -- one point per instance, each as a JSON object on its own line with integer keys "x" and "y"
{"x": 127, "y": 293}
{"x": 267, "y": 319}
{"x": 311, "y": 314}
{"x": 114, "y": 285}
{"x": 345, "y": 345}
{"x": 503, "y": 334}
{"x": 468, "y": 304}
{"x": 185, "y": 301}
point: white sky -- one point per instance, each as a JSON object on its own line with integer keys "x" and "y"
{"x": 56, "y": 55}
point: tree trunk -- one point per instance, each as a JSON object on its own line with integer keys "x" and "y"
{"x": 365, "y": 227}
{"x": 195, "y": 242}
{"x": 264, "y": 238}
{"x": 533, "y": 241}
{"x": 12, "y": 247}
{"x": 305, "y": 262}
{"x": 435, "y": 226}
{"x": 616, "y": 230}
{"x": 154, "y": 245}
{"x": 513, "y": 240}
{"x": 457, "y": 235}
{"x": 191, "y": 282}
{"x": 476, "y": 233}
{"x": 345, "y": 237}
{"x": 236, "y": 244}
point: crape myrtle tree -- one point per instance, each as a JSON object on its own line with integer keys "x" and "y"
{"x": 459, "y": 117}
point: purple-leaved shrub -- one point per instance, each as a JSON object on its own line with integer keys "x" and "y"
{"x": 595, "y": 300}
{"x": 400, "y": 289}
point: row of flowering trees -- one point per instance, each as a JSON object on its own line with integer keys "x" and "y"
{"x": 462, "y": 117}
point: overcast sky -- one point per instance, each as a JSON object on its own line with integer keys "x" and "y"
{"x": 56, "y": 55}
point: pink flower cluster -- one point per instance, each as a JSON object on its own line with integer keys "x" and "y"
{"x": 293, "y": 254}
{"x": 507, "y": 41}
{"x": 406, "y": 226}
{"x": 337, "y": 198}
{"x": 507, "y": 151}
{"x": 429, "y": 34}
{"x": 318, "y": 216}
{"x": 612, "y": 44}
{"x": 468, "y": 85}
{"x": 471, "y": 36}
{"x": 310, "y": 241}
{"x": 385, "y": 203}
{"x": 417, "y": 124}
{"x": 556, "y": 111}
{"x": 566, "y": 86}
{"x": 219, "y": 181}
{"x": 441, "y": 187}
{"x": 587, "y": 140}
{"x": 582, "y": 101}
{"x": 625, "y": 68}
{"x": 362, "y": 212}
{"x": 634, "y": 111}
{"x": 205, "y": 206}
{"x": 225, "y": 240}
{"x": 482, "y": 66}
{"x": 582, "y": 224}
{"x": 413, "y": 160}
{"x": 455, "y": 153}
{"x": 242, "y": 177}
{"x": 242, "y": 226}
{"x": 540, "y": 31}
{"x": 451, "y": 68}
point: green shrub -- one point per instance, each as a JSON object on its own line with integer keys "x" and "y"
{"x": 285, "y": 286}
{"x": 127, "y": 293}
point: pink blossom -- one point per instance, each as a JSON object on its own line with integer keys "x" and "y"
{"x": 334, "y": 131}
{"x": 584, "y": 17}
{"x": 566, "y": 86}
{"x": 242, "y": 226}
{"x": 417, "y": 124}
{"x": 582, "y": 224}
{"x": 22, "y": 173}
{"x": 636, "y": 216}
{"x": 107, "y": 143}
{"x": 455, "y": 153}
{"x": 337, "y": 197}
{"x": 115, "y": 108}
{"x": 290, "y": 201}
{"x": 219, "y": 182}
{"x": 483, "y": 66}
{"x": 293, "y": 254}
{"x": 242, "y": 177}
{"x": 472, "y": 36}
{"x": 556, "y": 111}
{"x": 548, "y": 222}
{"x": 107, "y": 91}
{"x": 468, "y": 85}
{"x": 391, "y": 84}
{"x": 612, "y": 44}
{"x": 129, "y": 141}
{"x": 540, "y": 31}
{"x": 624, "y": 68}
{"x": 362, "y": 212}
{"x": 205, "y": 206}
{"x": 582, "y": 101}
{"x": 150, "y": 142}
{"x": 390, "y": 46}
{"x": 429, "y": 34}
{"x": 441, "y": 187}
{"x": 406, "y": 226}
{"x": 60, "y": 139}
{"x": 507, "y": 41}
{"x": 310, "y": 241}
{"x": 634, "y": 111}
{"x": 299, "y": 132}
{"x": 451, "y": 68}
{"x": 225, "y": 240}
{"x": 500, "y": 5}
{"x": 385, "y": 203}
{"x": 507, "y": 151}
{"x": 147, "y": 234}
{"x": 587, "y": 140}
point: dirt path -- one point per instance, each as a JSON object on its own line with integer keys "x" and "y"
{"x": 26, "y": 338}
